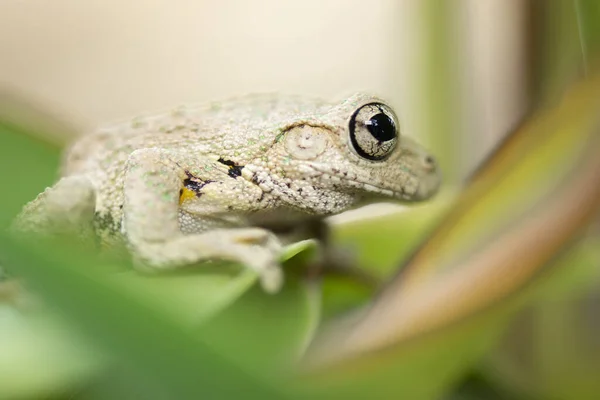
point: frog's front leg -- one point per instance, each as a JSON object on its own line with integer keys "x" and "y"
{"x": 153, "y": 183}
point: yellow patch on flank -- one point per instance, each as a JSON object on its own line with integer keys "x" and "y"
{"x": 186, "y": 194}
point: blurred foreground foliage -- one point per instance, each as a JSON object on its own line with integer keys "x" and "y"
{"x": 516, "y": 238}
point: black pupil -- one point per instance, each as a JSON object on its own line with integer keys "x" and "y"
{"x": 381, "y": 127}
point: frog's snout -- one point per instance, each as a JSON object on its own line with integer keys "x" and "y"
{"x": 430, "y": 179}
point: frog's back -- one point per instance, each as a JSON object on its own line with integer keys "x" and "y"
{"x": 208, "y": 124}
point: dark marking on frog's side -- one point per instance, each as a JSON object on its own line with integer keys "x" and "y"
{"x": 106, "y": 222}
{"x": 234, "y": 169}
{"x": 194, "y": 184}
{"x": 257, "y": 181}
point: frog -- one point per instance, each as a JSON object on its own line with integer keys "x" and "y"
{"x": 234, "y": 180}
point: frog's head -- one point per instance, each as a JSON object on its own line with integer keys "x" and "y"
{"x": 356, "y": 147}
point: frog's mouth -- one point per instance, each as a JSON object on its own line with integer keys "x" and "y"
{"x": 413, "y": 188}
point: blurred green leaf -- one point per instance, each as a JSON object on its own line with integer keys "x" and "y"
{"x": 552, "y": 350}
{"x": 41, "y": 356}
{"x": 557, "y": 52}
{"x": 132, "y": 326}
{"x": 377, "y": 245}
{"x": 193, "y": 295}
{"x": 268, "y": 332}
{"x": 588, "y": 16}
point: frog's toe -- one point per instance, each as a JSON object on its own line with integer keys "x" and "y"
{"x": 265, "y": 263}
{"x": 271, "y": 279}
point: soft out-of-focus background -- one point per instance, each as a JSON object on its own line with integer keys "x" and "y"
{"x": 99, "y": 60}
{"x": 459, "y": 74}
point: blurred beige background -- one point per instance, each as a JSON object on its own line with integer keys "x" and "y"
{"x": 94, "y": 61}
{"x": 100, "y": 59}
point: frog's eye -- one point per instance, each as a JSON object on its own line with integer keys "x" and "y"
{"x": 373, "y": 131}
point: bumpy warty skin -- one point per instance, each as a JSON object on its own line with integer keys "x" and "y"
{"x": 252, "y": 161}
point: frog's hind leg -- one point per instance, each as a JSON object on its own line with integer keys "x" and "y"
{"x": 67, "y": 208}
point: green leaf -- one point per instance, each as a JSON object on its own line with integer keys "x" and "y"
{"x": 193, "y": 295}
{"x": 553, "y": 350}
{"x": 132, "y": 326}
{"x": 588, "y": 15}
{"x": 40, "y": 356}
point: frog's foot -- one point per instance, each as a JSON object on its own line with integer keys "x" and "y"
{"x": 256, "y": 248}
{"x": 260, "y": 250}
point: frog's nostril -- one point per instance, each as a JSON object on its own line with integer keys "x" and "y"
{"x": 429, "y": 162}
